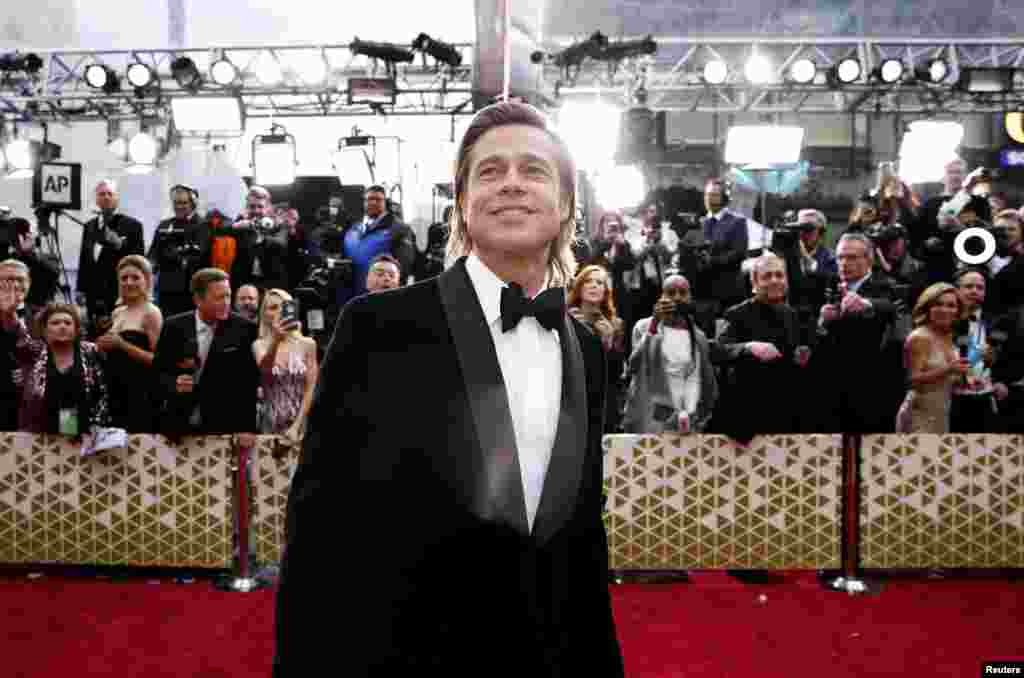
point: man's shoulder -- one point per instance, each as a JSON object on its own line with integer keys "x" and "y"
{"x": 740, "y": 309}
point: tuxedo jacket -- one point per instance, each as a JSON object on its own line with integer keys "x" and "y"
{"x": 722, "y": 281}
{"x": 97, "y": 276}
{"x": 226, "y": 393}
{"x": 412, "y": 485}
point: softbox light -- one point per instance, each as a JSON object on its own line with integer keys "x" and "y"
{"x": 763, "y": 145}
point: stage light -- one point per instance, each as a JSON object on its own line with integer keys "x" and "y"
{"x": 19, "y": 155}
{"x": 926, "y": 148}
{"x": 385, "y": 51}
{"x": 758, "y": 70}
{"x": 934, "y": 71}
{"x": 267, "y": 69}
{"x": 590, "y": 131}
{"x": 986, "y": 80}
{"x": 846, "y": 72}
{"x": 185, "y": 73}
{"x": 619, "y": 187}
{"x": 574, "y": 54}
{"x": 223, "y": 72}
{"x": 102, "y": 77}
{"x": 763, "y": 145}
{"x": 206, "y": 115}
{"x": 140, "y": 75}
{"x": 440, "y": 51}
{"x": 803, "y": 71}
{"x": 29, "y": 63}
{"x": 143, "y": 149}
{"x": 274, "y": 157}
{"x": 889, "y": 71}
{"x": 627, "y": 49}
{"x": 715, "y": 72}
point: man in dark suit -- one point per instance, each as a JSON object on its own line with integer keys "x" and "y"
{"x": 107, "y": 238}
{"x": 184, "y": 232}
{"x": 205, "y": 363}
{"x": 852, "y": 332}
{"x": 719, "y": 281}
{"x": 473, "y": 490}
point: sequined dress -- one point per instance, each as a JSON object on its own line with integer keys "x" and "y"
{"x": 929, "y": 404}
{"x": 283, "y": 388}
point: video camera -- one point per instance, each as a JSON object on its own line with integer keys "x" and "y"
{"x": 880, "y": 233}
{"x": 786, "y": 230}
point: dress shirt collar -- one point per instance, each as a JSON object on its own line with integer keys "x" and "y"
{"x": 488, "y": 287}
{"x": 856, "y": 284}
{"x": 203, "y": 326}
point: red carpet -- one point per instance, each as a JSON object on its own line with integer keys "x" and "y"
{"x": 711, "y": 628}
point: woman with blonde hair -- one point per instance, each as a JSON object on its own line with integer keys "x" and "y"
{"x": 129, "y": 345}
{"x": 289, "y": 368}
{"x": 932, "y": 361}
{"x": 592, "y": 302}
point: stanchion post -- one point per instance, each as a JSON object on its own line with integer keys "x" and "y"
{"x": 851, "y": 580}
{"x": 241, "y": 580}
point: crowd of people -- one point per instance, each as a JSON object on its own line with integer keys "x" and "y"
{"x": 702, "y": 332}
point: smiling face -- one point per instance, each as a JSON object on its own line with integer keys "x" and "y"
{"x": 945, "y": 311}
{"x": 215, "y": 306}
{"x": 972, "y": 289}
{"x": 770, "y": 283}
{"x": 594, "y": 288}
{"x": 513, "y": 205}
{"x": 132, "y": 283}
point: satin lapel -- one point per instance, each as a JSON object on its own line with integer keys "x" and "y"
{"x": 497, "y": 490}
{"x": 562, "y": 482}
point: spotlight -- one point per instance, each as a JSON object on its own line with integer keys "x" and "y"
{"x": 803, "y": 71}
{"x": 268, "y": 69}
{"x": 889, "y": 71}
{"x": 627, "y": 49}
{"x": 140, "y": 75}
{"x": 19, "y": 155}
{"x": 185, "y": 73}
{"x": 574, "y": 54}
{"x": 440, "y": 51}
{"x": 385, "y": 51}
{"x": 30, "y": 63}
{"x": 223, "y": 72}
{"x": 986, "y": 80}
{"x": 101, "y": 77}
{"x": 758, "y": 70}
{"x": 847, "y": 71}
{"x": 274, "y": 157}
{"x": 715, "y": 72}
{"x": 934, "y": 71}
{"x": 143, "y": 149}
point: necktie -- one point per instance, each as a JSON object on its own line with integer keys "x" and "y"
{"x": 548, "y": 308}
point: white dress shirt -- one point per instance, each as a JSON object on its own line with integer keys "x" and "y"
{"x": 204, "y": 339}
{"x": 683, "y": 379}
{"x": 531, "y": 367}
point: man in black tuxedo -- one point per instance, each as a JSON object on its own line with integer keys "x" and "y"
{"x": 184, "y": 232}
{"x": 206, "y": 366}
{"x": 107, "y": 238}
{"x": 468, "y": 497}
{"x": 852, "y": 332}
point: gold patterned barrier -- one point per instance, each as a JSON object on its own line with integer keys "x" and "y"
{"x": 150, "y": 503}
{"x": 699, "y": 501}
{"x": 271, "y": 482}
{"x": 942, "y": 501}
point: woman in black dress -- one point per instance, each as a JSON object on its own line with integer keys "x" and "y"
{"x": 128, "y": 347}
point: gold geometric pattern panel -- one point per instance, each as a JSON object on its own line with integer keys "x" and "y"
{"x": 930, "y": 500}
{"x": 150, "y": 503}
{"x": 702, "y": 502}
{"x": 272, "y": 479}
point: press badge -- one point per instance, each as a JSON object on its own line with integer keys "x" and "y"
{"x": 69, "y": 422}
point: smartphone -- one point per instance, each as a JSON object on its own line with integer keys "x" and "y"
{"x": 289, "y": 311}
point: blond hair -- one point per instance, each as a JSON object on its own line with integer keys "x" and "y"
{"x": 265, "y": 329}
{"x": 930, "y": 297}
{"x": 561, "y": 261}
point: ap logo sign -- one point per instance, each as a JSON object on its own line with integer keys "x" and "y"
{"x": 56, "y": 182}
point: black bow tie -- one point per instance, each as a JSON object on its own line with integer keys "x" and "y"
{"x": 548, "y": 308}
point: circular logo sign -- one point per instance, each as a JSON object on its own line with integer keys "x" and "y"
{"x": 987, "y": 252}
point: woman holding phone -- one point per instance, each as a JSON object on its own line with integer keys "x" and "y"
{"x": 288, "y": 364}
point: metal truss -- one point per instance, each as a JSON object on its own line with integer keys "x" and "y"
{"x": 673, "y": 76}
{"x": 59, "y": 92}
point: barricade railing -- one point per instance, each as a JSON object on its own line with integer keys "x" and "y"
{"x": 851, "y": 504}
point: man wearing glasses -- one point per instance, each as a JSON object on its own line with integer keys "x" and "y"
{"x": 13, "y": 275}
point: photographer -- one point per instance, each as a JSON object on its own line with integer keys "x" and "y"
{"x": 107, "y": 238}
{"x": 261, "y": 244}
{"x": 43, "y": 270}
{"x": 672, "y": 387}
{"x": 1007, "y": 289}
{"x": 967, "y": 208}
{"x": 852, "y": 328}
{"x": 175, "y": 251}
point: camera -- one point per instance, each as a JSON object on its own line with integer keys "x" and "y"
{"x": 880, "y": 233}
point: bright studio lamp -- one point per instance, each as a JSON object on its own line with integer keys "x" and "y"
{"x": 763, "y": 145}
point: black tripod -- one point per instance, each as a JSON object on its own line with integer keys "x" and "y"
{"x": 49, "y": 243}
